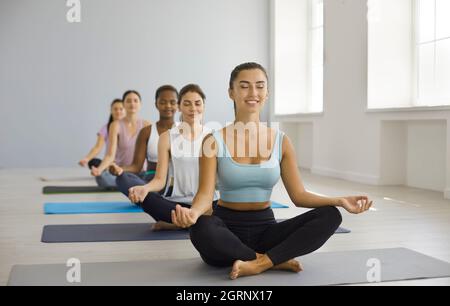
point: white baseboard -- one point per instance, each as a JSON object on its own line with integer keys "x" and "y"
{"x": 349, "y": 176}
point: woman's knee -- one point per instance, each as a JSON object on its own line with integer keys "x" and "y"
{"x": 106, "y": 180}
{"x": 204, "y": 237}
{"x": 122, "y": 182}
{"x": 127, "y": 180}
{"x": 202, "y": 226}
{"x": 152, "y": 203}
{"x": 331, "y": 214}
{"x": 205, "y": 230}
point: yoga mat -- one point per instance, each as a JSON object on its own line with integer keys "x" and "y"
{"x": 66, "y": 208}
{"x": 75, "y": 189}
{"x": 108, "y": 233}
{"x": 61, "y": 208}
{"x": 67, "y": 179}
{"x": 111, "y": 233}
{"x": 331, "y": 268}
{"x": 342, "y": 230}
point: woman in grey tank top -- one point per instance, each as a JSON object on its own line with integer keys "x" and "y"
{"x": 184, "y": 163}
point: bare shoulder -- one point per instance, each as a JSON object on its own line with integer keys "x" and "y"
{"x": 147, "y": 123}
{"x": 287, "y": 147}
{"x": 209, "y": 146}
{"x": 114, "y": 127}
{"x": 145, "y": 131}
{"x": 144, "y": 134}
{"x": 165, "y": 137}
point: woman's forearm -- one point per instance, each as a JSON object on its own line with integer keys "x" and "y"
{"x": 93, "y": 153}
{"x": 155, "y": 185}
{"x": 201, "y": 204}
{"x": 106, "y": 162}
{"x": 309, "y": 200}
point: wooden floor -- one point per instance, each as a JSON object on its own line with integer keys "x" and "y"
{"x": 402, "y": 217}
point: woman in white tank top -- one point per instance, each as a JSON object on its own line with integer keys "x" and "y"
{"x": 146, "y": 150}
{"x": 179, "y": 149}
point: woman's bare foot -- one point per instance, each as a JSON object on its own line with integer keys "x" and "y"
{"x": 290, "y": 265}
{"x": 248, "y": 268}
{"x": 164, "y": 226}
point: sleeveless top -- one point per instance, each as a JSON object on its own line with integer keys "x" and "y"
{"x": 248, "y": 183}
{"x": 152, "y": 145}
{"x": 127, "y": 143}
{"x": 185, "y": 166}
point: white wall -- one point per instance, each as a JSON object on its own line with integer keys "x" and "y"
{"x": 301, "y": 136}
{"x": 393, "y": 153}
{"x": 426, "y": 154}
{"x": 58, "y": 78}
{"x": 413, "y": 153}
{"x": 348, "y": 140}
{"x": 447, "y": 190}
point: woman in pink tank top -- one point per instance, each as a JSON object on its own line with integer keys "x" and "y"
{"x": 122, "y": 140}
{"x": 117, "y": 113}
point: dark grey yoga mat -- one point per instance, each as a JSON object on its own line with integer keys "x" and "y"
{"x": 112, "y": 232}
{"x": 108, "y": 233}
{"x": 333, "y": 268}
{"x": 76, "y": 189}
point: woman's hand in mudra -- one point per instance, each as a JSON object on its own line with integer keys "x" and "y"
{"x": 355, "y": 204}
{"x": 184, "y": 217}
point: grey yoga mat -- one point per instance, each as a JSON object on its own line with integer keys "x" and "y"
{"x": 76, "y": 189}
{"x": 331, "y": 268}
{"x": 112, "y": 232}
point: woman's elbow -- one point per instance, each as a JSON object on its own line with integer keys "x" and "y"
{"x": 298, "y": 199}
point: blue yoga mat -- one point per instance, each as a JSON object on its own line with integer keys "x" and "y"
{"x": 72, "y": 208}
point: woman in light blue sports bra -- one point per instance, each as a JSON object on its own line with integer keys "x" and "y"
{"x": 248, "y": 159}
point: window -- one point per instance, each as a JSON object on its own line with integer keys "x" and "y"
{"x": 298, "y": 56}
{"x": 408, "y": 53}
{"x": 390, "y": 53}
{"x": 433, "y": 52}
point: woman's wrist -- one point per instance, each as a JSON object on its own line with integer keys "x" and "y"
{"x": 148, "y": 188}
{"x": 196, "y": 212}
{"x": 337, "y": 202}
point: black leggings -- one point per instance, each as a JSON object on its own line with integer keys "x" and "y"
{"x": 154, "y": 204}
{"x": 230, "y": 235}
{"x": 160, "y": 208}
{"x": 127, "y": 180}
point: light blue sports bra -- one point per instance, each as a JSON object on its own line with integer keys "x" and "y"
{"x": 247, "y": 183}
